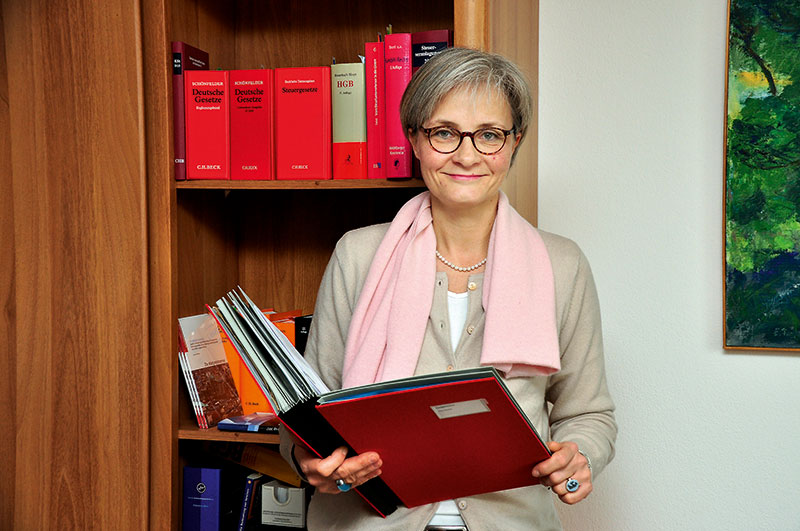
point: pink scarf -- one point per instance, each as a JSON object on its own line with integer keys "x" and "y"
{"x": 389, "y": 321}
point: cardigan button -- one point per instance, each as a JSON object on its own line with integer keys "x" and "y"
{"x": 472, "y": 286}
{"x": 470, "y": 329}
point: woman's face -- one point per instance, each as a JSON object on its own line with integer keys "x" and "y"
{"x": 466, "y": 177}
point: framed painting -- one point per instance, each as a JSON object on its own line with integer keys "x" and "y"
{"x": 762, "y": 176}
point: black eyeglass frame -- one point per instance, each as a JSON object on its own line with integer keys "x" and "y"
{"x": 470, "y": 134}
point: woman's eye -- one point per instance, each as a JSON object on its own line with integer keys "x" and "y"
{"x": 443, "y": 134}
{"x": 490, "y": 135}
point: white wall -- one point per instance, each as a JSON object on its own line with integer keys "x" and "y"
{"x": 631, "y": 132}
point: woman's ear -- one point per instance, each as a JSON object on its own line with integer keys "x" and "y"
{"x": 517, "y": 139}
{"x": 413, "y": 138}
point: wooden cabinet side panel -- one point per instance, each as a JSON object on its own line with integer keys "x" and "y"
{"x": 80, "y": 301}
{"x": 513, "y": 31}
{"x": 162, "y": 273}
{"x": 471, "y": 18}
{"x": 7, "y": 297}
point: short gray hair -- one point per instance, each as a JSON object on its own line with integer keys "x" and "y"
{"x": 465, "y": 68}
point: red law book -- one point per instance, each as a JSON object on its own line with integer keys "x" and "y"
{"x": 426, "y": 44}
{"x": 303, "y": 123}
{"x": 207, "y": 125}
{"x": 376, "y": 109}
{"x": 252, "y": 152}
{"x": 184, "y": 57}
{"x": 397, "y": 74}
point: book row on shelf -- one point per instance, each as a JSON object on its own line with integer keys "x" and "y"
{"x": 225, "y": 495}
{"x": 312, "y": 123}
{"x": 228, "y": 484}
{"x": 221, "y": 388}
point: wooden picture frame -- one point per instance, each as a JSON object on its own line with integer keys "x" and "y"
{"x": 761, "y": 225}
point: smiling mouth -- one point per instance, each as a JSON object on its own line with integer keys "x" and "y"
{"x": 462, "y": 177}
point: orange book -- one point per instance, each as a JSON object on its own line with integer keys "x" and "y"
{"x": 284, "y": 321}
{"x": 280, "y": 316}
{"x": 252, "y": 398}
{"x": 251, "y": 395}
{"x": 287, "y": 327}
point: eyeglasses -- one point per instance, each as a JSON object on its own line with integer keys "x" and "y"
{"x": 488, "y": 140}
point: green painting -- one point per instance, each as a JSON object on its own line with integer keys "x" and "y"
{"x": 762, "y": 182}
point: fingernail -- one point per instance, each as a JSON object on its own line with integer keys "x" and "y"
{"x": 536, "y": 473}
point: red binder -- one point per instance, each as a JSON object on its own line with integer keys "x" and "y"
{"x": 442, "y": 441}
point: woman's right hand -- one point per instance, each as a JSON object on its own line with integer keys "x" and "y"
{"x": 323, "y": 473}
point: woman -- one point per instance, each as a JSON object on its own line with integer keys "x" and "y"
{"x": 460, "y": 280}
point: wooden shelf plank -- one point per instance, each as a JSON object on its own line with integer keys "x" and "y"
{"x": 213, "y": 434}
{"x": 298, "y": 185}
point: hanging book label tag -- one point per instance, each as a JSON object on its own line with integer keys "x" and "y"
{"x": 460, "y": 409}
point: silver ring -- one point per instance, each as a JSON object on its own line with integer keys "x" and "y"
{"x": 342, "y": 485}
{"x": 572, "y": 485}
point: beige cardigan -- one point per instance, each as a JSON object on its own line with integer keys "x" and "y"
{"x": 580, "y": 407}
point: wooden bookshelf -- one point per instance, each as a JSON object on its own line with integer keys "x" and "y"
{"x": 273, "y": 237}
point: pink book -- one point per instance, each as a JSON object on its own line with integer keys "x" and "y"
{"x": 376, "y": 111}
{"x": 397, "y": 72}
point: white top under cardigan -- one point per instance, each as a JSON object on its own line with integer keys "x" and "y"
{"x": 457, "y": 305}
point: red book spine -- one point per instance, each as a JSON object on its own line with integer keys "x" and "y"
{"x": 426, "y": 44}
{"x": 184, "y": 57}
{"x": 207, "y": 125}
{"x": 397, "y": 74}
{"x": 303, "y": 123}
{"x": 252, "y": 155}
{"x": 376, "y": 111}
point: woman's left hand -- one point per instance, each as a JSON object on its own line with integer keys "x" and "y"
{"x": 565, "y": 463}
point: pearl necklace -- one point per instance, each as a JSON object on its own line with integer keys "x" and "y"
{"x": 453, "y": 266}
